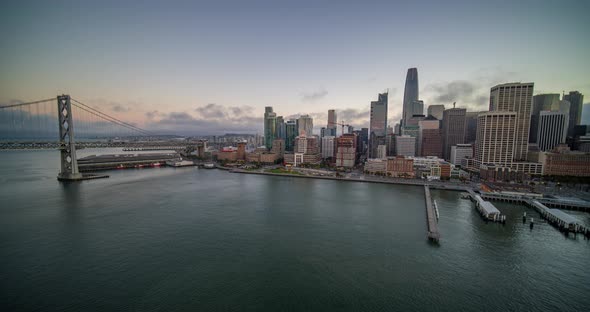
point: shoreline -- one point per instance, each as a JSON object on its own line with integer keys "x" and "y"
{"x": 410, "y": 183}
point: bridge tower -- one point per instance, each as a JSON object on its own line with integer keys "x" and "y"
{"x": 67, "y": 147}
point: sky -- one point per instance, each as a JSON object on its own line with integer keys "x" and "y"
{"x": 191, "y": 67}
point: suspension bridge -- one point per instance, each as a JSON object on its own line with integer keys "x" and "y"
{"x": 39, "y": 123}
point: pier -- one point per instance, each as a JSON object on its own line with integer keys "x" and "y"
{"x": 563, "y": 221}
{"x": 487, "y": 210}
{"x": 433, "y": 233}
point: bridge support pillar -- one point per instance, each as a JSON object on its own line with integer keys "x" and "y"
{"x": 67, "y": 147}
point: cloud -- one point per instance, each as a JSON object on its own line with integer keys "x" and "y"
{"x": 472, "y": 93}
{"x": 119, "y": 108}
{"x": 207, "y": 120}
{"x": 314, "y": 96}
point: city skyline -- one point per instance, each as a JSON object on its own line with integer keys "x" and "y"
{"x": 176, "y": 68}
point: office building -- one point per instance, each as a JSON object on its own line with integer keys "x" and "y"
{"x": 453, "y": 129}
{"x": 436, "y": 111}
{"x": 576, "y": 100}
{"x": 460, "y": 152}
{"x": 270, "y": 126}
{"x": 405, "y": 145}
{"x": 471, "y": 127}
{"x": 332, "y": 123}
{"x": 541, "y": 102}
{"x": 305, "y": 125}
{"x": 496, "y": 135}
{"x": 518, "y": 98}
{"x": 281, "y": 128}
{"x": 400, "y": 167}
{"x": 429, "y": 141}
{"x": 328, "y": 147}
{"x": 291, "y": 133}
{"x": 551, "y": 129}
{"x": 410, "y": 95}
{"x": 417, "y": 108}
{"x": 382, "y": 151}
{"x": 378, "y": 124}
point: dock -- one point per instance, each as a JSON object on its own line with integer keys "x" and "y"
{"x": 433, "y": 234}
{"x": 563, "y": 221}
{"x": 486, "y": 209}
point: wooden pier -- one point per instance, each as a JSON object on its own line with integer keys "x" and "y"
{"x": 433, "y": 233}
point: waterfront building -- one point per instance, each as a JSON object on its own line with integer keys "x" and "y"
{"x": 459, "y": 152}
{"x": 400, "y": 167}
{"x": 263, "y": 157}
{"x": 241, "y": 151}
{"x": 453, "y": 129}
{"x": 346, "y": 151}
{"x": 270, "y": 126}
{"x": 436, "y": 111}
{"x": 375, "y": 166}
{"x": 378, "y": 124}
{"x": 328, "y": 147}
{"x": 518, "y": 98}
{"x": 405, "y": 145}
{"x": 305, "y": 151}
{"x": 410, "y": 95}
{"x": 564, "y": 162}
{"x": 305, "y": 125}
{"x": 551, "y": 129}
{"x": 576, "y": 100}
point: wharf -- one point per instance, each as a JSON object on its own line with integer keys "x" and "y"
{"x": 487, "y": 210}
{"x": 118, "y": 161}
{"x": 563, "y": 221}
{"x": 433, "y": 233}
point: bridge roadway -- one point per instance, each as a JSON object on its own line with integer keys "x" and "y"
{"x": 433, "y": 233}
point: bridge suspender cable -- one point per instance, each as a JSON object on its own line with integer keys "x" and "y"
{"x": 110, "y": 118}
{"x": 28, "y": 103}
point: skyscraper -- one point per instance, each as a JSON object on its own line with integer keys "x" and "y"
{"x": 541, "y": 102}
{"x": 430, "y": 137}
{"x": 471, "y": 127}
{"x": 280, "y": 130}
{"x": 270, "y": 126}
{"x": 552, "y": 129}
{"x": 453, "y": 129}
{"x": 305, "y": 124}
{"x": 576, "y": 100}
{"x": 518, "y": 98}
{"x": 332, "y": 120}
{"x": 410, "y": 94}
{"x": 291, "y": 133}
{"x": 417, "y": 108}
{"x": 378, "y": 124}
{"x": 496, "y": 136}
{"x": 436, "y": 111}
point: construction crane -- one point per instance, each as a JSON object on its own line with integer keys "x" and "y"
{"x": 340, "y": 124}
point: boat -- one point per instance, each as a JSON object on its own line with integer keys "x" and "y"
{"x": 436, "y": 209}
{"x": 209, "y": 166}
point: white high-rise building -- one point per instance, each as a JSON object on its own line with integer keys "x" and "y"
{"x": 552, "y": 129}
{"x": 328, "y": 146}
{"x": 436, "y": 111}
{"x": 382, "y": 151}
{"x": 496, "y": 133}
{"x": 518, "y": 98}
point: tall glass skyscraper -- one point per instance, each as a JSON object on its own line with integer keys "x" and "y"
{"x": 410, "y": 94}
{"x": 270, "y": 126}
{"x": 576, "y": 100}
{"x": 378, "y": 124}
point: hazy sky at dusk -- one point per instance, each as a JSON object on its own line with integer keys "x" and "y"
{"x": 212, "y": 67}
